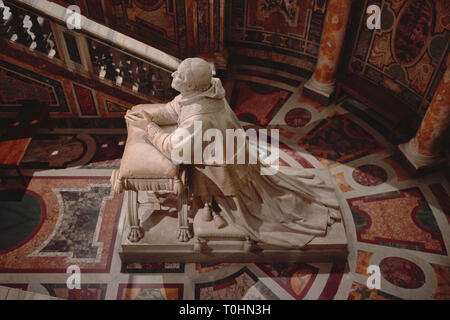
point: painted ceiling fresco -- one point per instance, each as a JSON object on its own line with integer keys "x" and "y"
{"x": 409, "y": 54}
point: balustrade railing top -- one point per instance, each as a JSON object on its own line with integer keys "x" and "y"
{"x": 114, "y": 58}
{"x": 120, "y": 40}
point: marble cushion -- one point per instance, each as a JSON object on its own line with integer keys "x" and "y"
{"x": 141, "y": 160}
{"x": 207, "y": 230}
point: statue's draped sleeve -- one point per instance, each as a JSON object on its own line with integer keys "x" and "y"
{"x": 164, "y": 141}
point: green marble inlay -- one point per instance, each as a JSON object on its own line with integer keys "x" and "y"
{"x": 426, "y": 220}
{"x": 360, "y": 219}
{"x": 18, "y": 220}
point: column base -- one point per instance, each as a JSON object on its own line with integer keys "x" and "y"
{"x": 417, "y": 164}
{"x": 319, "y": 92}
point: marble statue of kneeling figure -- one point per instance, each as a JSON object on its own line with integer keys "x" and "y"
{"x": 288, "y": 208}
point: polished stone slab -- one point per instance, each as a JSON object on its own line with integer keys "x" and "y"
{"x": 160, "y": 244}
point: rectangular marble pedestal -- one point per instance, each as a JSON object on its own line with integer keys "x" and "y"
{"x": 161, "y": 245}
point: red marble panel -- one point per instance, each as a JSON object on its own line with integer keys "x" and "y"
{"x": 397, "y": 219}
{"x": 257, "y": 103}
{"x": 86, "y": 101}
{"x": 402, "y": 273}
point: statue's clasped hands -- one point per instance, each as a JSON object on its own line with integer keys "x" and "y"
{"x": 142, "y": 120}
{"x": 138, "y": 119}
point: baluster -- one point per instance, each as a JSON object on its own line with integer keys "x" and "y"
{"x": 41, "y": 33}
{"x": 109, "y": 66}
{"x": 38, "y": 29}
{"x": 158, "y": 89}
{"x": 102, "y": 72}
{"x": 5, "y": 13}
{"x": 109, "y": 63}
{"x": 44, "y": 35}
{"x": 50, "y": 45}
{"x": 119, "y": 73}
{"x": 13, "y": 27}
{"x": 96, "y": 54}
{"x": 145, "y": 80}
{"x": 104, "y": 63}
{"x": 137, "y": 85}
{"x": 21, "y": 32}
{"x": 127, "y": 73}
{"x": 101, "y": 65}
{"x": 149, "y": 81}
{"x": 27, "y": 24}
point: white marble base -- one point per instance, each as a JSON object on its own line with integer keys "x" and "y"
{"x": 160, "y": 244}
{"x": 318, "y": 92}
{"x": 417, "y": 160}
{"x": 320, "y": 88}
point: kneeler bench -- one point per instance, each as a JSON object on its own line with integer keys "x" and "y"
{"x": 229, "y": 237}
{"x": 144, "y": 168}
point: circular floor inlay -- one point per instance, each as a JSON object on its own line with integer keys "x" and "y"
{"x": 402, "y": 273}
{"x": 369, "y": 175}
{"x": 298, "y": 117}
{"x": 20, "y": 219}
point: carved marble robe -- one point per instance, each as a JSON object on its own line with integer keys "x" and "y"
{"x": 287, "y": 209}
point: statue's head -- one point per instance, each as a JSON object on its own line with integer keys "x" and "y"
{"x": 193, "y": 74}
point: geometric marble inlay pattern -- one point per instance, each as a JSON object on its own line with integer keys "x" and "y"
{"x": 361, "y": 292}
{"x": 136, "y": 291}
{"x": 397, "y": 219}
{"x": 85, "y": 100}
{"x": 80, "y": 216}
{"x": 443, "y": 282}
{"x": 55, "y": 151}
{"x": 331, "y": 287}
{"x": 296, "y": 155}
{"x": 109, "y": 151}
{"x": 86, "y": 291}
{"x": 337, "y": 140}
{"x": 363, "y": 262}
{"x": 369, "y": 175}
{"x": 86, "y": 151}
{"x": 442, "y": 197}
{"x": 342, "y": 182}
{"x": 80, "y": 227}
{"x": 20, "y": 220}
{"x": 240, "y": 285}
{"x": 69, "y": 215}
{"x": 402, "y": 273}
{"x": 296, "y": 279}
{"x": 257, "y": 103}
{"x": 17, "y": 83}
{"x": 298, "y": 117}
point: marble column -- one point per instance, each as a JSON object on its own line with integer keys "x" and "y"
{"x": 206, "y": 27}
{"x": 424, "y": 150}
{"x": 322, "y": 84}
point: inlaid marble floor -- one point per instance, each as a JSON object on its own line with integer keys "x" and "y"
{"x": 68, "y": 215}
